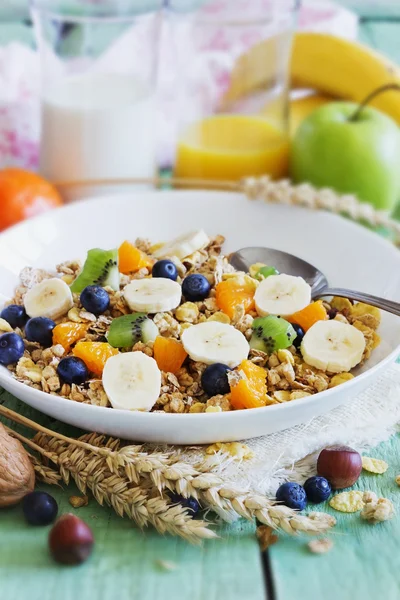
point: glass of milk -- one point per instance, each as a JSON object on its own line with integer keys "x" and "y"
{"x": 99, "y": 61}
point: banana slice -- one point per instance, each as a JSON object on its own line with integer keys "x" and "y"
{"x": 214, "y": 342}
{"x": 50, "y": 298}
{"x": 153, "y": 295}
{"x": 132, "y": 381}
{"x": 333, "y": 346}
{"x": 184, "y": 245}
{"x": 282, "y": 295}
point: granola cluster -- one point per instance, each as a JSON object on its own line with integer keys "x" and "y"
{"x": 288, "y": 377}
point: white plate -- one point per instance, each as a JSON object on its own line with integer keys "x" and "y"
{"x": 350, "y": 255}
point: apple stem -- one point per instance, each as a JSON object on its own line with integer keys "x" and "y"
{"x": 371, "y": 96}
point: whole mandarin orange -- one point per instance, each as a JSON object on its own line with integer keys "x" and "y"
{"x": 24, "y": 194}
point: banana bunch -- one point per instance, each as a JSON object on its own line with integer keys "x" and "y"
{"x": 337, "y": 68}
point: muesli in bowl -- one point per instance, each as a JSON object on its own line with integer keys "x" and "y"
{"x": 174, "y": 328}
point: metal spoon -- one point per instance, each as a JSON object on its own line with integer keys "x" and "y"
{"x": 287, "y": 263}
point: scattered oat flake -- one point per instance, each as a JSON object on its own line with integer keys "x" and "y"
{"x": 167, "y": 565}
{"x": 320, "y": 546}
{"x": 397, "y": 480}
{"x": 78, "y": 501}
{"x": 374, "y": 465}
{"x": 266, "y": 537}
{"x": 378, "y": 510}
{"x": 347, "y": 502}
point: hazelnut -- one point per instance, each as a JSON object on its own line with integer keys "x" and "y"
{"x": 340, "y": 465}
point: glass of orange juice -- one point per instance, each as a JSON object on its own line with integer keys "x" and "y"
{"x": 231, "y": 91}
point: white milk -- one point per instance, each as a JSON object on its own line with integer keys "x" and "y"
{"x": 98, "y": 126}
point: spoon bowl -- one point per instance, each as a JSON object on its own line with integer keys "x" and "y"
{"x": 292, "y": 265}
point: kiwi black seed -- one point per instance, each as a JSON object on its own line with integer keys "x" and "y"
{"x": 271, "y": 333}
{"x": 127, "y": 330}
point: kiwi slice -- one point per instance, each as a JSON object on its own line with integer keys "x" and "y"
{"x": 125, "y": 331}
{"x": 100, "y": 268}
{"x": 271, "y": 334}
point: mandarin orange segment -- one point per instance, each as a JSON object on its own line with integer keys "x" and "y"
{"x": 250, "y": 392}
{"x": 169, "y": 354}
{"x": 309, "y": 315}
{"x": 68, "y": 333}
{"x": 94, "y": 355}
{"x": 131, "y": 259}
{"x": 233, "y": 292}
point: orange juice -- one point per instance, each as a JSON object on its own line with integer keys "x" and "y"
{"x": 231, "y": 147}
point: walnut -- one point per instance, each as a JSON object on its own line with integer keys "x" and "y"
{"x": 17, "y": 477}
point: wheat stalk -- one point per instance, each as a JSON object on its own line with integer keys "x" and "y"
{"x": 89, "y": 470}
{"x": 228, "y": 502}
{"x": 127, "y": 477}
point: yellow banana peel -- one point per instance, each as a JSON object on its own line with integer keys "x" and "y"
{"x": 344, "y": 69}
{"x": 330, "y": 65}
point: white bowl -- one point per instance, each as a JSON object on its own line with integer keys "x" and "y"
{"x": 350, "y": 256}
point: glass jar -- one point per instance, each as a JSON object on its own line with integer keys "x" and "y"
{"x": 231, "y": 102}
{"x": 99, "y": 60}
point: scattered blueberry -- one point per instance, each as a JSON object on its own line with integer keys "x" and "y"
{"x": 14, "y": 315}
{"x": 190, "y": 503}
{"x": 72, "y": 370}
{"x": 39, "y": 508}
{"x": 11, "y": 348}
{"x": 40, "y": 329}
{"x": 318, "y": 489}
{"x": 299, "y": 335}
{"x": 292, "y": 495}
{"x": 165, "y": 268}
{"x": 95, "y": 299}
{"x": 195, "y": 287}
{"x": 214, "y": 380}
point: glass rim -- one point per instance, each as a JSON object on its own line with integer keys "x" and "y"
{"x": 111, "y": 11}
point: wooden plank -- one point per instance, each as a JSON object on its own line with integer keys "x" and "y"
{"x": 364, "y": 562}
{"x": 124, "y": 563}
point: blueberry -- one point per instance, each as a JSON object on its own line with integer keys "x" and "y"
{"x": 195, "y": 287}
{"x": 214, "y": 380}
{"x": 72, "y": 370}
{"x": 165, "y": 268}
{"x": 95, "y": 299}
{"x": 318, "y": 489}
{"x": 190, "y": 503}
{"x": 40, "y": 329}
{"x": 299, "y": 335}
{"x": 39, "y": 508}
{"x": 292, "y": 495}
{"x": 11, "y": 348}
{"x": 14, "y": 315}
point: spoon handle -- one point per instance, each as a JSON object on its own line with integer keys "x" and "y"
{"x": 388, "y": 305}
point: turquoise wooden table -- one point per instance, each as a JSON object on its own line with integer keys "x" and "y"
{"x": 364, "y": 563}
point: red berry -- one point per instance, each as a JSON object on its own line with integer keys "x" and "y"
{"x": 70, "y": 540}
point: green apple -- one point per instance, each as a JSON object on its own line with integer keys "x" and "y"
{"x": 350, "y": 150}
